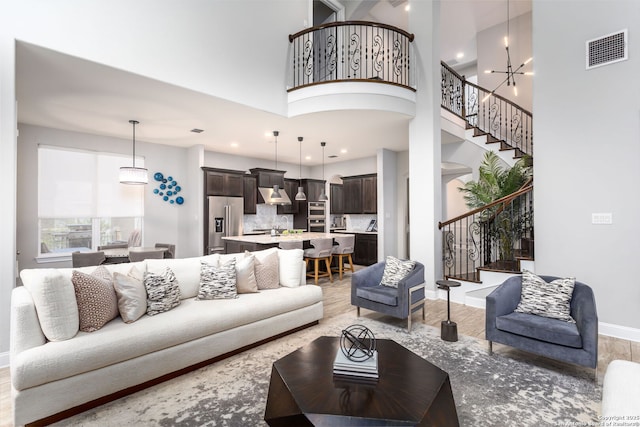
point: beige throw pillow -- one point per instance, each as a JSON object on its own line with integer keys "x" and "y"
{"x": 96, "y": 298}
{"x": 266, "y": 270}
{"x": 132, "y": 295}
{"x": 246, "y": 276}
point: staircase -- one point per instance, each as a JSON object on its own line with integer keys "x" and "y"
{"x": 487, "y": 114}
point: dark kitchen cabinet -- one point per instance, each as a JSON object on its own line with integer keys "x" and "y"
{"x": 291, "y": 187}
{"x": 312, "y": 188}
{"x": 366, "y": 249}
{"x": 267, "y": 178}
{"x": 222, "y": 182}
{"x": 360, "y": 194}
{"x": 250, "y": 194}
{"x": 336, "y": 199}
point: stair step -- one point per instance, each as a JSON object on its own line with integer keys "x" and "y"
{"x": 478, "y": 132}
{"x": 491, "y": 139}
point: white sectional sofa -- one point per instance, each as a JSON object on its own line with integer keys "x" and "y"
{"x": 49, "y": 377}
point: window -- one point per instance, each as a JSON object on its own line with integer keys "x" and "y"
{"x": 81, "y": 204}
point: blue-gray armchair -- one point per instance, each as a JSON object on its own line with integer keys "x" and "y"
{"x": 575, "y": 343}
{"x": 367, "y": 292}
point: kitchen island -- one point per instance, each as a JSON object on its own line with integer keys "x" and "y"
{"x": 235, "y": 244}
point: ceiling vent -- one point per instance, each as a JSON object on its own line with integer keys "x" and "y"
{"x": 607, "y": 49}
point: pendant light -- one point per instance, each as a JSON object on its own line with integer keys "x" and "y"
{"x": 276, "y": 188}
{"x": 300, "y": 195}
{"x": 132, "y": 174}
{"x": 323, "y": 195}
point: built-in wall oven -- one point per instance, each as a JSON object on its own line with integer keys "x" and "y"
{"x": 317, "y": 217}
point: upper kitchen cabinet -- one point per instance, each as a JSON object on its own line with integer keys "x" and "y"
{"x": 223, "y": 182}
{"x": 313, "y": 189}
{"x": 360, "y": 194}
{"x": 250, "y": 194}
{"x": 267, "y": 178}
{"x": 336, "y": 199}
{"x": 291, "y": 187}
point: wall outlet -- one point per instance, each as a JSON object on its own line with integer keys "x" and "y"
{"x": 602, "y": 218}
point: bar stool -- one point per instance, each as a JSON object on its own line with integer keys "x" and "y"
{"x": 344, "y": 249}
{"x": 448, "y": 329}
{"x": 321, "y": 251}
{"x": 290, "y": 245}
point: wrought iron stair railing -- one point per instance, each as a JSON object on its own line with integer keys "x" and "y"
{"x": 488, "y": 113}
{"x": 351, "y": 51}
{"x": 494, "y": 237}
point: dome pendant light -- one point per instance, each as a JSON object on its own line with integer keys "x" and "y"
{"x": 131, "y": 174}
{"x": 323, "y": 195}
{"x": 300, "y": 195}
{"x": 276, "y": 188}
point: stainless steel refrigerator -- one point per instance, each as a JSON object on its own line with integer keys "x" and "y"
{"x": 225, "y": 219}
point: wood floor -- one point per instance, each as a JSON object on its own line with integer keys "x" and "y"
{"x": 470, "y": 320}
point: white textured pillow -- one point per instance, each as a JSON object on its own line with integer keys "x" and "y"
{"x": 245, "y": 275}
{"x": 289, "y": 261}
{"x": 546, "y": 299}
{"x": 395, "y": 270}
{"x": 55, "y": 301}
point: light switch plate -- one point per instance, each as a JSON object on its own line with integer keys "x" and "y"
{"x": 602, "y": 218}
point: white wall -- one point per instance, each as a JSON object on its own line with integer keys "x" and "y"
{"x": 587, "y": 149}
{"x": 163, "y": 222}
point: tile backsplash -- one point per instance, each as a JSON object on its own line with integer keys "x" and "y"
{"x": 266, "y": 217}
{"x": 359, "y": 222}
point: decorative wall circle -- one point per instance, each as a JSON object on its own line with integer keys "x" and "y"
{"x": 168, "y": 189}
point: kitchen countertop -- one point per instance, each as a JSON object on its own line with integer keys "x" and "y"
{"x": 265, "y": 239}
{"x": 356, "y": 232}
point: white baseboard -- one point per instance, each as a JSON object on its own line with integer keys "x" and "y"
{"x": 617, "y": 331}
{"x": 4, "y": 359}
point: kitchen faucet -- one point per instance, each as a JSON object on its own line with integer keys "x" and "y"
{"x": 286, "y": 219}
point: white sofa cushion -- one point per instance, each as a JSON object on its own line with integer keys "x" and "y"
{"x": 118, "y": 341}
{"x": 55, "y": 301}
{"x": 289, "y": 266}
{"x": 186, "y": 270}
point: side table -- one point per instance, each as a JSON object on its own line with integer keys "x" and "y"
{"x": 448, "y": 329}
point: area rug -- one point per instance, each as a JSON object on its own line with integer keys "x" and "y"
{"x": 489, "y": 390}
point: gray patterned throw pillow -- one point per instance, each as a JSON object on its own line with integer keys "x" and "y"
{"x": 395, "y": 270}
{"x": 218, "y": 282}
{"x": 163, "y": 292}
{"x": 546, "y": 299}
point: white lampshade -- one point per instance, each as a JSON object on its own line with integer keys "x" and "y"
{"x": 133, "y": 175}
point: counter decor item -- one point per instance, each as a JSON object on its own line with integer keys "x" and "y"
{"x": 168, "y": 189}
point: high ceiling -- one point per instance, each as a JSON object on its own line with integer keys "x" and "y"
{"x": 59, "y": 91}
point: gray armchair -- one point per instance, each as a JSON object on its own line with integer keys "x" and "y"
{"x": 408, "y": 298}
{"x": 575, "y": 343}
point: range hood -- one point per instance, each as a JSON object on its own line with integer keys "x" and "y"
{"x": 266, "y": 192}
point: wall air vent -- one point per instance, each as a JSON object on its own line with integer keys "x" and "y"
{"x": 607, "y": 49}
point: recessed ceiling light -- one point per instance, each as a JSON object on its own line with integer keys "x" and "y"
{"x": 460, "y": 55}
{"x": 343, "y": 151}
{"x": 307, "y": 158}
{"x": 407, "y": 8}
{"x": 196, "y": 130}
{"x": 234, "y": 144}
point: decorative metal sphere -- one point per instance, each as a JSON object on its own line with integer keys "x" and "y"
{"x": 357, "y": 343}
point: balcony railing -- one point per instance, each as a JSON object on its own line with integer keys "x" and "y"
{"x": 351, "y": 51}
{"x": 491, "y": 114}
{"x": 494, "y": 237}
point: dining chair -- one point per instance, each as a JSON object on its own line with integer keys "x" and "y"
{"x": 171, "y": 249}
{"x": 142, "y": 255}
{"x": 321, "y": 251}
{"x": 86, "y": 259}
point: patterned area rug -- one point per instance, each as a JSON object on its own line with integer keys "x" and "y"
{"x": 497, "y": 390}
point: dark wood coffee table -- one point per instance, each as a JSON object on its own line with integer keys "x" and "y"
{"x": 410, "y": 391}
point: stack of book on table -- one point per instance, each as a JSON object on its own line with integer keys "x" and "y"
{"x": 365, "y": 369}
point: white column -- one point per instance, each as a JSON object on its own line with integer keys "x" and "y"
{"x": 424, "y": 142}
{"x": 8, "y": 148}
{"x": 387, "y": 209}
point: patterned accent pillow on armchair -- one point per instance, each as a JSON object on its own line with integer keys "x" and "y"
{"x": 546, "y": 299}
{"x": 395, "y": 270}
